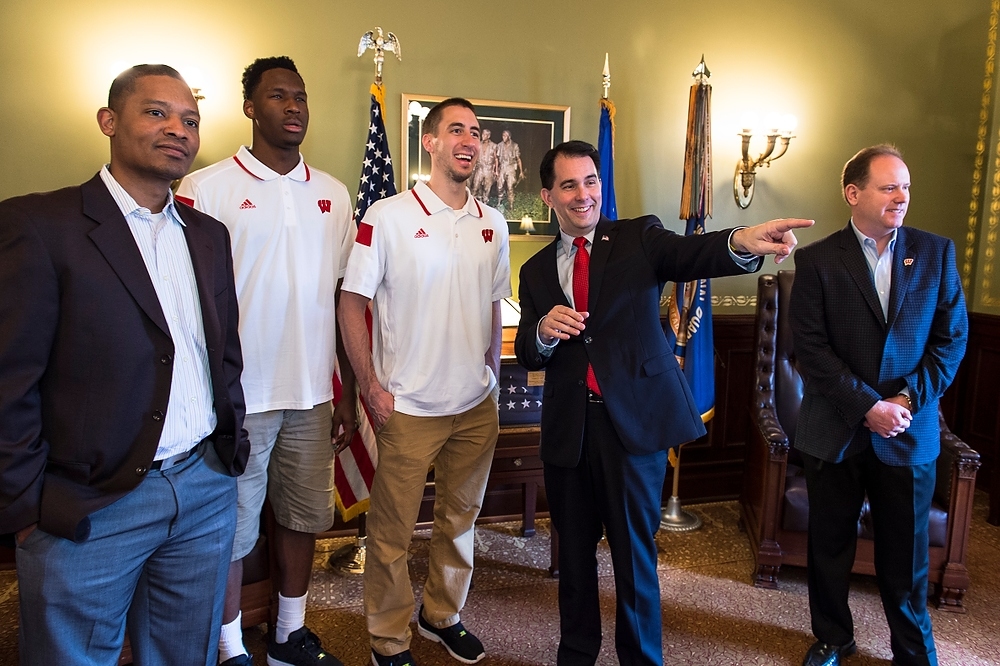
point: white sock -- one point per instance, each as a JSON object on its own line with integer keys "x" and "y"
{"x": 291, "y": 616}
{"x": 231, "y": 641}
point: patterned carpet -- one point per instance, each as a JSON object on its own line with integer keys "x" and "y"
{"x": 712, "y": 615}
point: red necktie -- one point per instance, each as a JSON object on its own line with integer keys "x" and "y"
{"x": 581, "y": 289}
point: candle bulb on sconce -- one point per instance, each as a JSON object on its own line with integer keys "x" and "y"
{"x": 746, "y": 168}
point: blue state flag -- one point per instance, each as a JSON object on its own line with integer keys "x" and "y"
{"x": 689, "y": 331}
{"x": 689, "y": 315}
{"x": 606, "y": 149}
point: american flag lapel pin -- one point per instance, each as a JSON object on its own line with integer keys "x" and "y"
{"x": 908, "y": 261}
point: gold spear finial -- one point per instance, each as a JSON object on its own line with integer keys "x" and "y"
{"x": 701, "y": 73}
{"x": 607, "y": 76}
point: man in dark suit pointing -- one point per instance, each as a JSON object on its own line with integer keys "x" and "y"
{"x": 880, "y": 327}
{"x": 615, "y": 399}
{"x": 121, "y": 409}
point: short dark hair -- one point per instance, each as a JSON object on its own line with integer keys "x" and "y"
{"x": 433, "y": 118}
{"x": 124, "y": 83}
{"x": 573, "y": 148}
{"x": 858, "y": 168}
{"x": 255, "y": 70}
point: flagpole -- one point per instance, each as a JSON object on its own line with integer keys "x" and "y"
{"x": 696, "y": 205}
{"x": 606, "y": 147}
{"x": 350, "y": 559}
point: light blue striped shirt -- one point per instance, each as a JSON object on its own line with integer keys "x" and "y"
{"x": 880, "y": 267}
{"x": 160, "y": 237}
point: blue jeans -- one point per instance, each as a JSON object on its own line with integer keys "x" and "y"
{"x": 159, "y": 555}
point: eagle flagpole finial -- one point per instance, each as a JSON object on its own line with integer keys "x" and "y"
{"x": 374, "y": 39}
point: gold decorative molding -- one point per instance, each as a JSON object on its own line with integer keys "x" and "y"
{"x": 993, "y": 220}
{"x": 720, "y": 301}
{"x": 734, "y": 301}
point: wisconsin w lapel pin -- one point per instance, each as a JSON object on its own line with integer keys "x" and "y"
{"x": 908, "y": 261}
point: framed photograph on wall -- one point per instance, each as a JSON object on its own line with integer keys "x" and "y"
{"x": 514, "y": 138}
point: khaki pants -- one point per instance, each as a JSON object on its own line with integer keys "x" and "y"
{"x": 461, "y": 449}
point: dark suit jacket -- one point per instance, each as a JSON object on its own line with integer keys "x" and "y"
{"x": 851, "y": 356}
{"x": 85, "y": 355}
{"x": 644, "y": 389}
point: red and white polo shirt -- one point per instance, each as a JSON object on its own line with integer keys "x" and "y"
{"x": 433, "y": 274}
{"x": 291, "y": 236}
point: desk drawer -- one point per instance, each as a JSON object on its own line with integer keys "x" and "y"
{"x": 516, "y": 463}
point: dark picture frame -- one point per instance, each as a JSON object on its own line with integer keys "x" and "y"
{"x": 532, "y": 128}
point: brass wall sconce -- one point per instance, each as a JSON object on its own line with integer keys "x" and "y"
{"x": 746, "y": 168}
{"x": 527, "y": 225}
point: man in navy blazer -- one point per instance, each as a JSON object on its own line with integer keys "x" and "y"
{"x": 880, "y": 327}
{"x": 121, "y": 409}
{"x": 615, "y": 399}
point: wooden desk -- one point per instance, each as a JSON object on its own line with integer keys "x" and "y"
{"x": 516, "y": 461}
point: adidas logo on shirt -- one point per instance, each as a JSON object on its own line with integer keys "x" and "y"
{"x": 421, "y": 234}
{"x": 246, "y": 204}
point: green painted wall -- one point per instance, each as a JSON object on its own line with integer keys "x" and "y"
{"x": 854, "y": 73}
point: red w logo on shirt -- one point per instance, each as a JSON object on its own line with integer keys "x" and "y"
{"x": 324, "y": 205}
{"x": 487, "y": 235}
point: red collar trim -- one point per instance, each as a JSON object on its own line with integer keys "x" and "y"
{"x": 420, "y": 202}
{"x": 251, "y": 172}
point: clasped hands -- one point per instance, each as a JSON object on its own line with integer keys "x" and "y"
{"x": 889, "y": 417}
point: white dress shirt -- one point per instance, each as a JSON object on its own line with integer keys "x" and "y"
{"x": 160, "y": 237}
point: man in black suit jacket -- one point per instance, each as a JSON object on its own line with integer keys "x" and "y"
{"x": 120, "y": 402}
{"x": 880, "y": 327}
{"x": 615, "y": 399}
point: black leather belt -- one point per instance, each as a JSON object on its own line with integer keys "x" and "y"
{"x": 595, "y": 398}
{"x": 176, "y": 459}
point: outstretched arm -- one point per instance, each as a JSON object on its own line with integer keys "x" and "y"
{"x": 773, "y": 237}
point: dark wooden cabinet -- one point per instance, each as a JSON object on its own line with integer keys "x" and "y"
{"x": 973, "y": 403}
{"x": 516, "y": 463}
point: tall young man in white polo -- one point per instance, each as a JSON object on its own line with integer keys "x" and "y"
{"x": 292, "y": 232}
{"x": 435, "y": 262}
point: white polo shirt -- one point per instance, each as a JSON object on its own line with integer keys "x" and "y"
{"x": 291, "y": 236}
{"x": 433, "y": 274}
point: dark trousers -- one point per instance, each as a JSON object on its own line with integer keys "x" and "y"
{"x": 900, "y": 499}
{"x": 612, "y": 492}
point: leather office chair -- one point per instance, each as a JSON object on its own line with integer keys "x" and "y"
{"x": 774, "y": 506}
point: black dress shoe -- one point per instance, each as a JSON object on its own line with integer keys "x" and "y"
{"x": 825, "y": 654}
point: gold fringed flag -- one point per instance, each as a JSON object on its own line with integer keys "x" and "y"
{"x": 356, "y": 464}
{"x": 689, "y": 312}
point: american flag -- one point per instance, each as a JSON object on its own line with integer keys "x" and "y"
{"x": 356, "y": 469}
{"x": 377, "y": 180}
{"x": 520, "y": 400}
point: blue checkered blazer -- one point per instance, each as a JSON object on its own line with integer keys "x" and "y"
{"x": 851, "y": 356}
